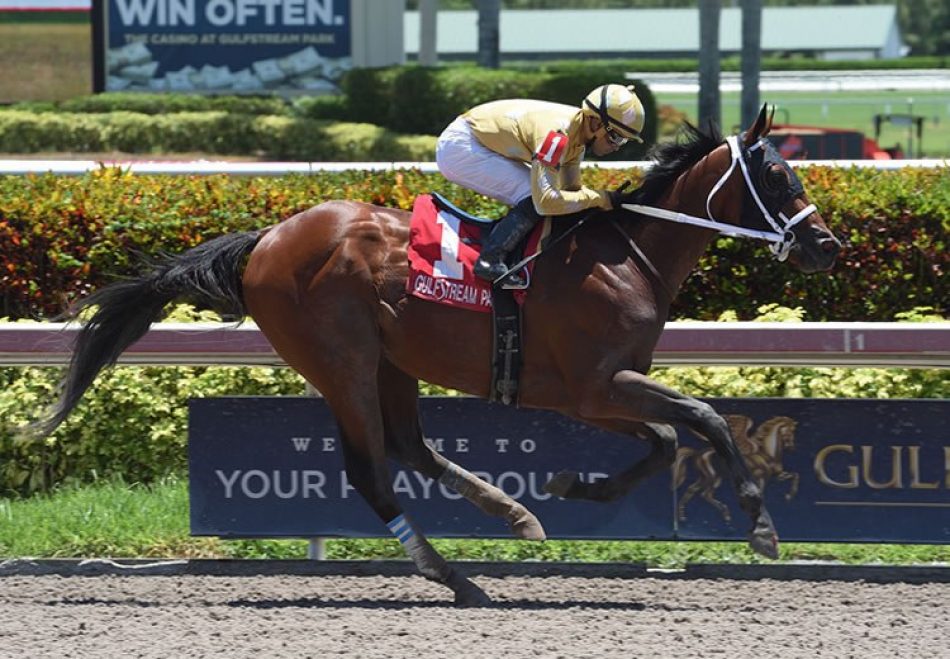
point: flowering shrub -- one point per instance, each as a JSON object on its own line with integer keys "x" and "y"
{"x": 63, "y": 236}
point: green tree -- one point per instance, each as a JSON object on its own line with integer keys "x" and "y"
{"x": 710, "y": 108}
{"x": 751, "y": 59}
{"x": 925, "y": 25}
{"x": 489, "y": 33}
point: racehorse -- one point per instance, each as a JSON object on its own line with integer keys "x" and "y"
{"x": 327, "y": 287}
{"x": 762, "y": 452}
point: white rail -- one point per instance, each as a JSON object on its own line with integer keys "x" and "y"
{"x": 208, "y": 167}
{"x": 682, "y": 343}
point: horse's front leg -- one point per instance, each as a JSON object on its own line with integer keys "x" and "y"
{"x": 662, "y": 438}
{"x": 793, "y": 487}
{"x": 636, "y": 397}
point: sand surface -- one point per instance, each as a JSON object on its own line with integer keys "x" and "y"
{"x": 406, "y": 616}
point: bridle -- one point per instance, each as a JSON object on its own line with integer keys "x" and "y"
{"x": 781, "y": 236}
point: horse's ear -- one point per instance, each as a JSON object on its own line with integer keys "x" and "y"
{"x": 759, "y": 128}
{"x": 768, "y": 122}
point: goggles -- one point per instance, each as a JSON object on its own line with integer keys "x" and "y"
{"x": 614, "y": 137}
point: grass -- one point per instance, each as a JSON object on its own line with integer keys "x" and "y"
{"x": 51, "y": 62}
{"x": 851, "y": 110}
{"x": 116, "y": 520}
{"x": 45, "y": 62}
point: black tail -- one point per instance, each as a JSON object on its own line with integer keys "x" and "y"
{"x": 208, "y": 276}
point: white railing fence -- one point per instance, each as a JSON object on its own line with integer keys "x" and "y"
{"x": 924, "y": 345}
{"x": 207, "y": 167}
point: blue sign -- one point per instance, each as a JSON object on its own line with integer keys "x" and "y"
{"x": 227, "y": 45}
{"x": 832, "y": 470}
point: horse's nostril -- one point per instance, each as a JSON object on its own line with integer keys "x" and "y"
{"x": 829, "y": 245}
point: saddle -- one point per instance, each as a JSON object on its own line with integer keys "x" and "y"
{"x": 444, "y": 242}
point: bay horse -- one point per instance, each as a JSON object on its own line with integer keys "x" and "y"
{"x": 328, "y": 289}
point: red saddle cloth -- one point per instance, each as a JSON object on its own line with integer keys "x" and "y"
{"x": 442, "y": 253}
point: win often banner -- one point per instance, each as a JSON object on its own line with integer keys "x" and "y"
{"x": 225, "y": 45}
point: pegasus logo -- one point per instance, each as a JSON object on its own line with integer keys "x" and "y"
{"x": 762, "y": 451}
{"x": 301, "y": 444}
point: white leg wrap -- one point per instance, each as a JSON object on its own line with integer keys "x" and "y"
{"x": 458, "y": 479}
{"x": 402, "y": 529}
{"x": 428, "y": 561}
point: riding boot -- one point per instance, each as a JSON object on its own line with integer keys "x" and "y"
{"x": 505, "y": 237}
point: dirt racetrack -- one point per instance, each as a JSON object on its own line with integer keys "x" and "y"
{"x": 534, "y": 615}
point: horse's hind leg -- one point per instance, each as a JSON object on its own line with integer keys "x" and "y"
{"x": 688, "y": 495}
{"x": 340, "y": 356}
{"x": 662, "y": 438}
{"x": 399, "y": 395}
{"x": 706, "y": 487}
{"x": 709, "y": 496}
{"x": 367, "y": 471}
{"x": 356, "y": 406}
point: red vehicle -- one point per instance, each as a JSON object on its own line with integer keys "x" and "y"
{"x": 817, "y": 143}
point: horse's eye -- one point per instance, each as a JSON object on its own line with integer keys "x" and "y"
{"x": 776, "y": 177}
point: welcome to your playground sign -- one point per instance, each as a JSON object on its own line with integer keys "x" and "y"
{"x": 230, "y": 46}
{"x": 832, "y": 470}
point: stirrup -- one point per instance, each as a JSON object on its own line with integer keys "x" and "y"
{"x": 492, "y": 272}
{"x": 513, "y": 280}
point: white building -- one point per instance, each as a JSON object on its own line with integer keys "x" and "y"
{"x": 836, "y": 32}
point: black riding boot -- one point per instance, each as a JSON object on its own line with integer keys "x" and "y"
{"x": 505, "y": 237}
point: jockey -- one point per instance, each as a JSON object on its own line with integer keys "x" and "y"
{"x": 527, "y": 154}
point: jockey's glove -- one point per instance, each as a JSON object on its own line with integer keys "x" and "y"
{"x": 621, "y": 196}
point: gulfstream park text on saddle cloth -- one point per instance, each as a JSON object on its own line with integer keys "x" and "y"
{"x": 442, "y": 252}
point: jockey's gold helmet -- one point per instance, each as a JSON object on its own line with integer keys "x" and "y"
{"x": 618, "y": 109}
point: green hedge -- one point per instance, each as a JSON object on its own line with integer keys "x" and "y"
{"x": 407, "y": 99}
{"x": 894, "y": 225}
{"x": 133, "y": 422}
{"x": 314, "y": 107}
{"x": 158, "y": 103}
{"x": 734, "y": 63}
{"x": 415, "y": 99}
{"x": 266, "y": 136}
{"x": 62, "y": 236}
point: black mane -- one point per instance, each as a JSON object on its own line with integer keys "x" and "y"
{"x": 673, "y": 158}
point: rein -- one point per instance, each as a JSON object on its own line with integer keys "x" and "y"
{"x": 547, "y": 245}
{"x": 643, "y": 257}
{"x": 781, "y": 237}
{"x": 630, "y": 241}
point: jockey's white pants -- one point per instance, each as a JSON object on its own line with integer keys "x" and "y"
{"x": 463, "y": 160}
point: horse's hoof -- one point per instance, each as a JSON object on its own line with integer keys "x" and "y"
{"x": 471, "y": 596}
{"x": 763, "y": 539}
{"x": 561, "y": 484}
{"x": 765, "y": 545}
{"x": 527, "y": 527}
